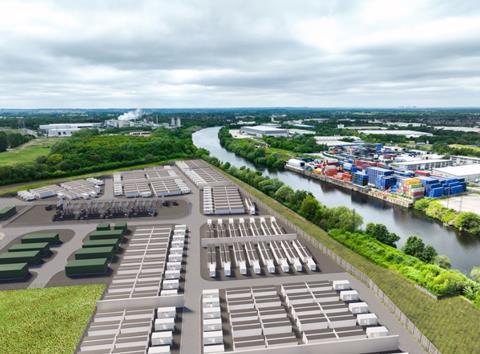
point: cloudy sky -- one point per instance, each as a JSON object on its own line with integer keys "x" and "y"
{"x": 234, "y": 53}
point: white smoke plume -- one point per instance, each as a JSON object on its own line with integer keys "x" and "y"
{"x": 132, "y": 115}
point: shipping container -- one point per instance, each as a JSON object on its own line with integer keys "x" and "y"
{"x": 52, "y": 238}
{"x": 103, "y": 227}
{"x": 101, "y": 235}
{"x": 83, "y": 267}
{"x": 30, "y": 257}
{"x": 112, "y": 242}
{"x": 121, "y": 226}
{"x": 7, "y": 212}
{"x": 95, "y": 252}
{"x": 13, "y": 271}
{"x": 43, "y": 247}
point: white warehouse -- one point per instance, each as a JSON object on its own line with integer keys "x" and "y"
{"x": 264, "y": 130}
{"x": 471, "y": 173}
{"x": 66, "y": 129}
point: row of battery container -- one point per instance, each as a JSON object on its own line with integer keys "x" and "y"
{"x": 164, "y": 328}
{"x": 79, "y": 189}
{"x": 267, "y": 254}
{"x": 212, "y": 328}
{"x": 173, "y": 268}
{"x": 288, "y": 255}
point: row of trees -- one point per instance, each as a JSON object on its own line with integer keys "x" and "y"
{"x": 10, "y": 140}
{"x": 464, "y": 221}
{"x": 89, "y": 151}
{"x": 297, "y": 143}
{"x": 252, "y": 151}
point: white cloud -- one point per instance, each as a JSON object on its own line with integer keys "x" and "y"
{"x": 239, "y": 53}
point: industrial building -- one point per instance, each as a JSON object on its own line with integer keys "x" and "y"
{"x": 264, "y": 130}
{"x": 66, "y": 129}
{"x": 465, "y": 160}
{"x": 421, "y": 164}
{"x": 406, "y": 133}
{"x": 471, "y": 173}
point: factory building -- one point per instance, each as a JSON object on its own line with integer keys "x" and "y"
{"x": 465, "y": 160}
{"x": 406, "y": 133}
{"x": 421, "y": 164}
{"x": 66, "y": 129}
{"x": 264, "y": 130}
{"x": 471, "y": 173}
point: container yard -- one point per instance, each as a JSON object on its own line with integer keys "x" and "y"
{"x": 296, "y": 298}
{"x": 378, "y": 179}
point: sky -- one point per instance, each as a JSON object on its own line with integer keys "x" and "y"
{"x": 239, "y": 53}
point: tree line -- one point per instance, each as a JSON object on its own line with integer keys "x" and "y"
{"x": 90, "y": 151}
{"x": 10, "y": 140}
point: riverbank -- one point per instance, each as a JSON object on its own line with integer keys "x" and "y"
{"x": 464, "y": 221}
{"x": 386, "y": 197}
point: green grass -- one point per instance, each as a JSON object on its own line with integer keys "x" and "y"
{"x": 451, "y": 324}
{"x": 28, "y": 152}
{"x": 50, "y": 320}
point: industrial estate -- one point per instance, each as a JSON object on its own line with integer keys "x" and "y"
{"x": 191, "y": 259}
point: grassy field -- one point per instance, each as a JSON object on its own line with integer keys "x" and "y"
{"x": 27, "y": 152}
{"x": 470, "y": 147}
{"x": 49, "y": 320}
{"x": 451, "y": 324}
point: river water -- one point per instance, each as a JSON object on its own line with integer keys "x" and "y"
{"x": 463, "y": 251}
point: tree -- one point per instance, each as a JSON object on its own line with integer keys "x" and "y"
{"x": 475, "y": 274}
{"x": 381, "y": 233}
{"x": 429, "y": 254}
{"x": 415, "y": 247}
{"x": 284, "y": 194}
{"x": 309, "y": 207}
{"x": 442, "y": 261}
{"x": 469, "y": 222}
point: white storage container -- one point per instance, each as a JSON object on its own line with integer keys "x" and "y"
{"x": 349, "y": 295}
{"x": 161, "y": 349}
{"x": 211, "y": 312}
{"x": 175, "y": 258}
{"x": 174, "y": 265}
{"x": 367, "y": 319}
{"x": 215, "y": 348}
{"x": 358, "y": 307}
{"x": 162, "y": 338}
{"x": 380, "y": 331}
{"x": 210, "y": 293}
{"x": 165, "y": 324}
{"x": 171, "y": 284}
{"x": 211, "y": 301}
{"x": 172, "y": 274}
{"x": 169, "y": 292}
{"x": 176, "y": 250}
{"x": 341, "y": 285}
{"x": 214, "y": 324}
{"x": 166, "y": 312}
{"x": 212, "y": 337}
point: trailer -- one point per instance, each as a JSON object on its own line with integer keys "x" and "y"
{"x": 212, "y": 262}
{"x": 304, "y": 255}
{"x": 279, "y": 256}
{"x": 252, "y": 258}
{"x": 291, "y": 256}
{"x": 225, "y": 259}
{"x": 266, "y": 257}
{"x": 239, "y": 258}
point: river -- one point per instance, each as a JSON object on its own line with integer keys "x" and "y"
{"x": 463, "y": 251}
